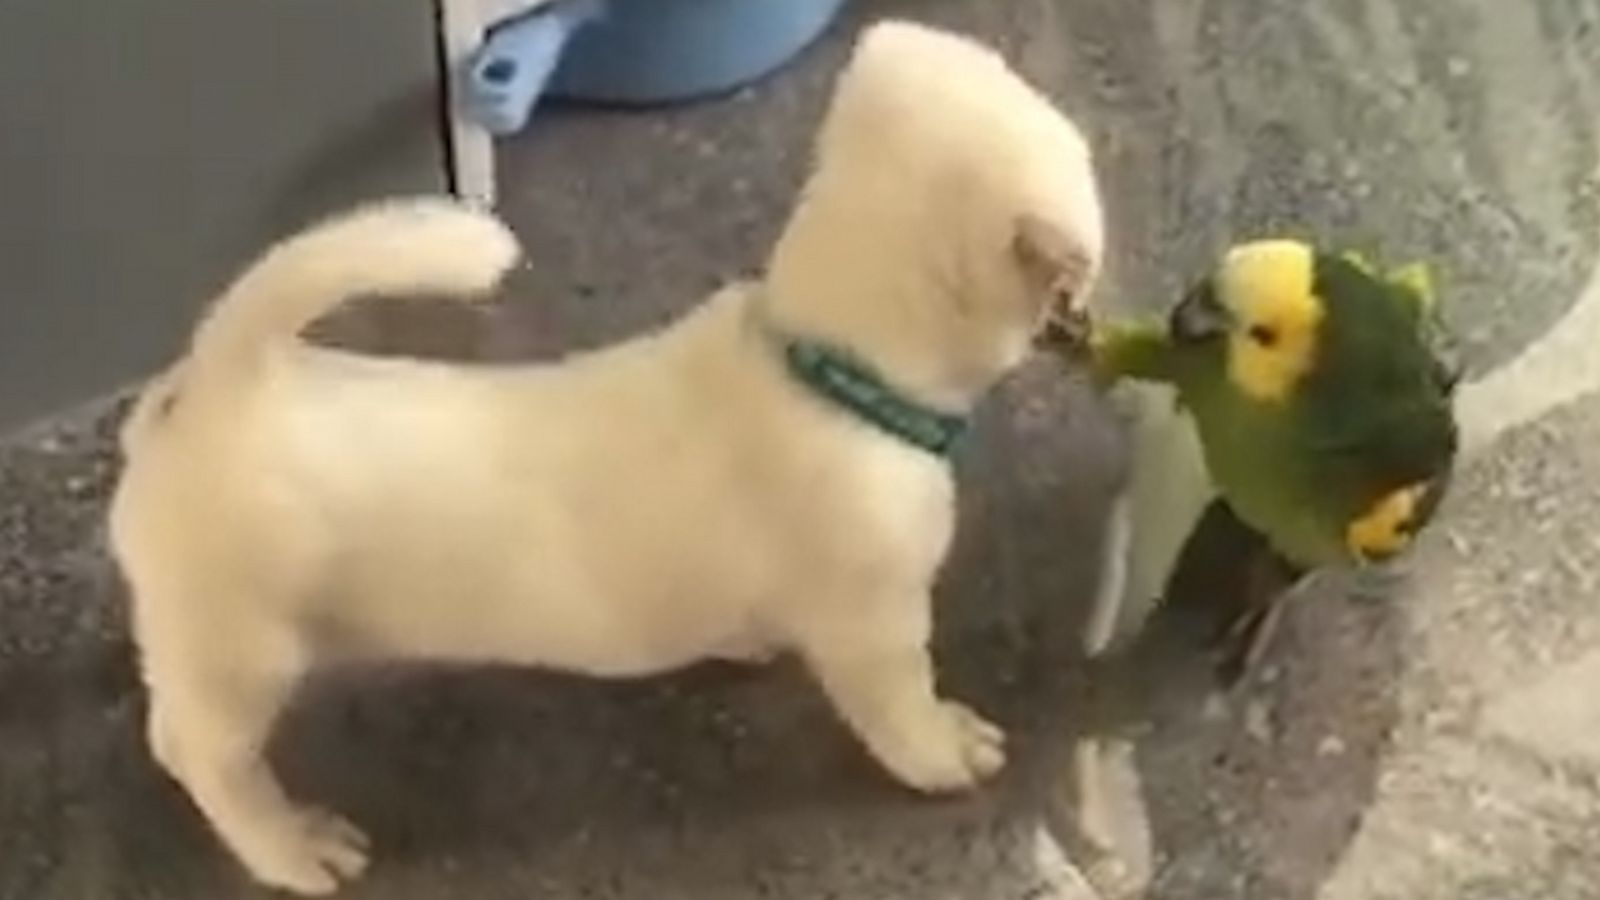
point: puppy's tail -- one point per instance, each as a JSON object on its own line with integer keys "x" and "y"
{"x": 421, "y": 246}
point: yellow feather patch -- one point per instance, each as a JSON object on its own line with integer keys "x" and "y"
{"x": 1361, "y": 261}
{"x": 1386, "y": 527}
{"x": 1418, "y": 279}
{"x": 1266, "y": 287}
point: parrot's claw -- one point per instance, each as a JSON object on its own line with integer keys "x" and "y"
{"x": 1247, "y": 641}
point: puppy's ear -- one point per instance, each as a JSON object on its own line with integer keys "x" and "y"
{"x": 1050, "y": 260}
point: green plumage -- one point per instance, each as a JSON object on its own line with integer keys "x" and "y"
{"x": 1370, "y": 417}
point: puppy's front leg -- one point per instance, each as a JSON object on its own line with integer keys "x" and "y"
{"x": 881, "y": 682}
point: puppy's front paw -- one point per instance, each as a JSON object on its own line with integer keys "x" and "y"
{"x": 951, "y": 749}
{"x": 312, "y": 853}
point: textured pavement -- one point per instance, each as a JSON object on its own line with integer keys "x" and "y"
{"x": 1443, "y": 742}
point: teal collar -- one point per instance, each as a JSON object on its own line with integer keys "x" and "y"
{"x": 839, "y": 377}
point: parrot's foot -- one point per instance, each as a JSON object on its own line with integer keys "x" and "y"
{"x": 1247, "y": 640}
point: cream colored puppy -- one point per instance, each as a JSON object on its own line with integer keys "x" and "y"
{"x": 761, "y": 476}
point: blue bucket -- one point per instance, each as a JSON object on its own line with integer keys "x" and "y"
{"x": 634, "y": 52}
{"x": 657, "y": 51}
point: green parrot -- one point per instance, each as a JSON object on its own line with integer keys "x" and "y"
{"x": 1296, "y": 400}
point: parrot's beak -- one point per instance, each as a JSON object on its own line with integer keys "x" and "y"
{"x": 1200, "y": 316}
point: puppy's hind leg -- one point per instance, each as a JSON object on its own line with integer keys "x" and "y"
{"x": 213, "y": 702}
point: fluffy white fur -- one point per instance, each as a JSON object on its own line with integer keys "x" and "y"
{"x": 672, "y": 498}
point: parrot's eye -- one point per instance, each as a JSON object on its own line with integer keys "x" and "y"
{"x": 1265, "y": 335}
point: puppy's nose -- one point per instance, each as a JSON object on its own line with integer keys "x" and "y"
{"x": 1067, "y": 304}
{"x": 1066, "y": 330}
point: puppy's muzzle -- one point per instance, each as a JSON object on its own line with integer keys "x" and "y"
{"x": 1066, "y": 330}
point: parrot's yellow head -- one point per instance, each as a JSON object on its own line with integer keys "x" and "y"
{"x": 1262, "y": 303}
{"x": 1266, "y": 302}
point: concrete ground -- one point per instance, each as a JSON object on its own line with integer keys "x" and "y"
{"x": 1440, "y": 743}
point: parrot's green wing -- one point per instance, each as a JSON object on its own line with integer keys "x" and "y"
{"x": 1375, "y": 412}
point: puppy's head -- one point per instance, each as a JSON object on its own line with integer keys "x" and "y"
{"x": 952, "y": 209}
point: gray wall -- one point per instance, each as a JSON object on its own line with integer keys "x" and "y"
{"x": 149, "y": 147}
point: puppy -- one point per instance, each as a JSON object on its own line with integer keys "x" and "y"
{"x": 763, "y": 475}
